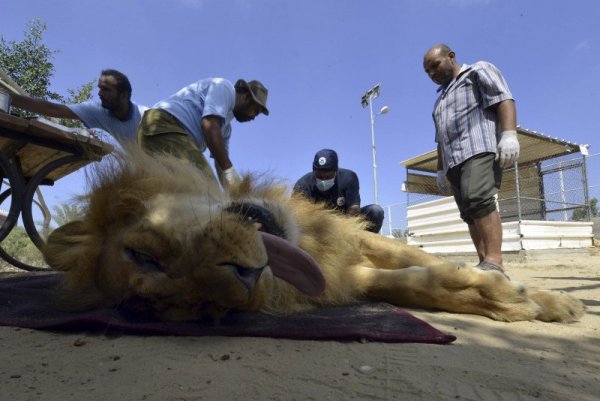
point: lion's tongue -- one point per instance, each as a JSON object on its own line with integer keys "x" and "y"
{"x": 292, "y": 264}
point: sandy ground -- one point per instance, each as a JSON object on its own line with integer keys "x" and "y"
{"x": 489, "y": 361}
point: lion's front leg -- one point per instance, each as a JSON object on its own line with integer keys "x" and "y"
{"x": 450, "y": 288}
{"x": 557, "y": 306}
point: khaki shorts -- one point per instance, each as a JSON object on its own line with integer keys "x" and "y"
{"x": 160, "y": 132}
{"x": 475, "y": 182}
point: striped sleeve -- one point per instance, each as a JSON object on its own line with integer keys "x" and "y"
{"x": 492, "y": 85}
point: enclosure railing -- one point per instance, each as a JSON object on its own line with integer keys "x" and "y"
{"x": 560, "y": 189}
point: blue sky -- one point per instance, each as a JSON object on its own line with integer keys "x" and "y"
{"x": 318, "y": 57}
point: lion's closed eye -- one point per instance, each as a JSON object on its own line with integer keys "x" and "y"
{"x": 145, "y": 261}
{"x": 247, "y": 275}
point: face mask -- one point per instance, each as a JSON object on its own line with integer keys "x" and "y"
{"x": 325, "y": 185}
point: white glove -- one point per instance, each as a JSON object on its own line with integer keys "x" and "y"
{"x": 508, "y": 149}
{"x": 231, "y": 176}
{"x": 442, "y": 183}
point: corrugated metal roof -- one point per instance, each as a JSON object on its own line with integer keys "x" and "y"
{"x": 534, "y": 147}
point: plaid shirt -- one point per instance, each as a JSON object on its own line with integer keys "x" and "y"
{"x": 465, "y": 124}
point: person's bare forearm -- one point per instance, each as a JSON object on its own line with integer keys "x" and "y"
{"x": 42, "y": 107}
{"x": 507, "y": 115}
{"x": 211, "y": 129}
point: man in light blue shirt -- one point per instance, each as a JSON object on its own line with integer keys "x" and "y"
{"x": 199, "y": 117}
{"x": 116, "y": 114}
{"x": 476, "y": 135}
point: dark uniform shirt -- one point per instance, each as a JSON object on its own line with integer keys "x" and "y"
{"x": 341, "y": 196}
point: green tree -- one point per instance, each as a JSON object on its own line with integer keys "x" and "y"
{"x": 82, "y": 93}
{"x": 400, "y": 234}
{"x": 18, "y": 245}
{"x": 66, "y": 212}
{"x": 581, "y": 213}
{"x": 29, "y": 63}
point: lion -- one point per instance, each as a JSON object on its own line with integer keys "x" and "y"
{"x": 161, "y": 238}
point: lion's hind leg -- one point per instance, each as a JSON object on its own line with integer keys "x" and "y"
{"x": 451, "y": 288}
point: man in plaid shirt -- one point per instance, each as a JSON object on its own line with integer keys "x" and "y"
{"x": 476, "y": 135}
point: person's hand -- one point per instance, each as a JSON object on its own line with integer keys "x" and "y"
{"x": 231, "y": 176}
{"x": 508, "y": 149}
{"x": 442, "y": 183}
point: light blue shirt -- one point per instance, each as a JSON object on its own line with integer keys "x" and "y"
{"x": 207, "y": 97}
{"x": 465, "y": 124}
{"x": 94, "y": 115}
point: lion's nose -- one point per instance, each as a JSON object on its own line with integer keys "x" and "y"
{"x": 247, "y": 275}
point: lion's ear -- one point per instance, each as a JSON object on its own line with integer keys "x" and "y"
{"x": 66, "y": 246}
{"x": 73, "y": 249}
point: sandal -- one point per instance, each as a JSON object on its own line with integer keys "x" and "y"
{"x": 490, "y": 266}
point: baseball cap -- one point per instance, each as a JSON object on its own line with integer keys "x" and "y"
{"x": 325, "y": 159}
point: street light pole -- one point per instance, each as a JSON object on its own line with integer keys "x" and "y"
{"x": 389, "y": 216}
{"x": 373, "y": 151}
{"x": 367, "y": 99}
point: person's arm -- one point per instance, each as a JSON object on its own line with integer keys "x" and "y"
{"x": 211, "y": 130}
{"x": 42, "y": 107}
{"x": 298, "y": 188}
{"x": 440, "y": 161}
{"x": 508, "y": 145}
{"x": 440, "y": 179}
{"x": 507, "y": 115}
{"x": 353, "y": 210}
{"x": 303, "y": 187}
{"x": 352, "y": 194}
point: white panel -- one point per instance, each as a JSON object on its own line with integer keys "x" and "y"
{"x": 436, "y": 227}
{"x": 549, "y": 243}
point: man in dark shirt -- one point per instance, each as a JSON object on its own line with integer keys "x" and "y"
{"x": 337, "y": 188}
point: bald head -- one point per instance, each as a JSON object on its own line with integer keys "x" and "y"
{"x": 440, "y": 49}
{"x": 440, "y": 64}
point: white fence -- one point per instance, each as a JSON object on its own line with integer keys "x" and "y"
{"x": 436, "y": 227}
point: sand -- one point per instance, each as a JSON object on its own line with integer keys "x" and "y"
{"x": 489, "y": 360}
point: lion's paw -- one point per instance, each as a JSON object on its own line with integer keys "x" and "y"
{"x": 557, "y": 306}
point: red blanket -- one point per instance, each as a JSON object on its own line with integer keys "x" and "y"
{"x": 26, "y": 301}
